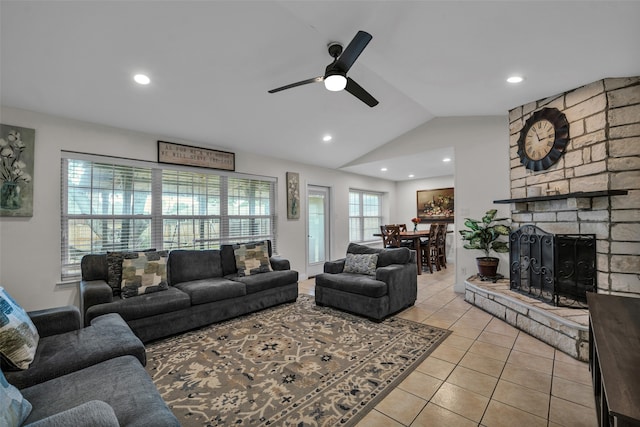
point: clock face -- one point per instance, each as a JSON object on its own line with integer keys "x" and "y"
{"x": 539, "y": 140}
{"x": 543, "y": 139}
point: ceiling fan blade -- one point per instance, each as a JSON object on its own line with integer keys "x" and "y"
{"x": 303, "y": 82}
{"x": 356, "y": 90}
{"x": 353, "y": 51}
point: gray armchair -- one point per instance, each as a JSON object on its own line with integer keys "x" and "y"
{"x": 392, "y": 288}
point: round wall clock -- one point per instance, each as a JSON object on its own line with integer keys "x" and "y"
{"x": 543, "y": 139}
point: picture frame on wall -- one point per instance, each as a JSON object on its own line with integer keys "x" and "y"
{"x": 17, "y": 149}
{"x": 435, "y": 205}
{"x": 293, "y": 195}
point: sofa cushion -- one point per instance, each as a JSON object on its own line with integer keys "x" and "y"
{"x": 122, "y": 383}
{"x": 252, "y": 258}
{"x": 189, "y": 265}
{"x": 209, "y": 290}
{"x": 353, "y": 283}
{"x": 361, "y": 264}
{"x": 14, "y": 408}
{"x": 94, "y": 413}
{"x": 260, "y": 282}
{"x": 144, "y": 305}
{"x": 107, "y": 337}
{"x": 144, "y": 274}
{"x": 18, "y": 335}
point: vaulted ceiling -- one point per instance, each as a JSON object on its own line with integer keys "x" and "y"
{"x": 212, "y": 62}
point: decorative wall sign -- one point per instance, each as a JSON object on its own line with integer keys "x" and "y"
{"x": 17, "y": 149}
{"x": 435, "y": 205}
{"x": 293, "y": 195}
{"x": 179, "y": 154}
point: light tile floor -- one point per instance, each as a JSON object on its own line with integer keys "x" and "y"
{"x": 486, "y": 373}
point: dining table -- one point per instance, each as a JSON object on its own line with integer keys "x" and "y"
{"x": 415, "y": 237}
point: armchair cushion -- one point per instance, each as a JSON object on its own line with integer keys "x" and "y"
{"x": 359, "y": 284}
{"x": 361, "y": 264}
{"x": 385, "y": 256}
{"x": 18, "y": 335}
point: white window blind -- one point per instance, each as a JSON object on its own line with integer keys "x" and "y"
{"x": 111, "y": 204}
{"x": 365, "y": 215}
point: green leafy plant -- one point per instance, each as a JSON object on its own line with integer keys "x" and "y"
{"x": 484, "y": 234}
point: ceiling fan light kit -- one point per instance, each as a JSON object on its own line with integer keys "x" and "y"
{"x": 335, "y": 77}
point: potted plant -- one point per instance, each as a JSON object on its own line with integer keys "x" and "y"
{"x": 484, "y": 235}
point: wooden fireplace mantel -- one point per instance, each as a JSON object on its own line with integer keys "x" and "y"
{"x": 576, "y": 195}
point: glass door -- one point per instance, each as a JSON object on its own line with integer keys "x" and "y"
{"x": 317, "y": 229}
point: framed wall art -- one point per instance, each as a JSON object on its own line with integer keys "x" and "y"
{"x": 435, "y": 205}
{"x": 17, "y": 149}
{"x": 179, "y": 154}
{"x": 293, "y": 195}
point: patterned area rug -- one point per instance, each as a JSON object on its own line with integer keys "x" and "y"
{"x": 292, "y": 365}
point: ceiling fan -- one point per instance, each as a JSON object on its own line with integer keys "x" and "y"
{"x": 335, "y": 76}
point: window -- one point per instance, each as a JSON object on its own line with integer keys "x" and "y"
{"x": 116, "y": 204}
{"x": 365, "y": 215}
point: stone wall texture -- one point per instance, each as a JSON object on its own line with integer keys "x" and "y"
{"x": 603, "y": 154}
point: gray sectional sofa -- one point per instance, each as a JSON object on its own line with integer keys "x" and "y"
{"x": 91, "y": 376}
{"x": 204, "y": 288}
{"x": 390, "y": 286}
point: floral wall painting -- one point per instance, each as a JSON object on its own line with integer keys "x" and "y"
{"x": 435, "y": 205}
{"x": 293, "y": 195}
{"x": 16, "y": 170}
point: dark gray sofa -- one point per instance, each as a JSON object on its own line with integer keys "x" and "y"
{"x": 91, "y": 376}
{"x": 393, "y": 288}
{"x": 204, "y": 288}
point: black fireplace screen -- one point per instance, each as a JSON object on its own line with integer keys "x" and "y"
{"x": 556, "y": 268}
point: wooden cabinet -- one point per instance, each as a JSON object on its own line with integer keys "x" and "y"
{"x": 614, "y": 358}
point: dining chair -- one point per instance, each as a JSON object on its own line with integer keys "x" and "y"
{"x": 390, "y": 236}
{"x": 403, "y": 227}
{"x": 430, "y": 249}
{"x": 441, "y": 244}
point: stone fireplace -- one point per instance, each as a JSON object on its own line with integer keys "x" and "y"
{"x": 592, "y": 190}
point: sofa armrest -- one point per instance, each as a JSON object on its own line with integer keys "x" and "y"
{"x": 401, "y": 280}
{"x": 54, "y": 321}
{"x": 94, "y": 292}
{"x": 334, "y": 267}
{"x": 279, "y": 263}
{"x": 94, "y": 413}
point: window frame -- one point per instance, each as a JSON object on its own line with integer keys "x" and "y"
{"x": 266, "y": 220}
{"x": 361, "y": 217}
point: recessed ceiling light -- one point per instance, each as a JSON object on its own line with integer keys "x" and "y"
{"x": 383, "y": 169}
{"x": 411, "y": 176}
{"x": 327, "y": 138}
{"x": 515, "y": 79}
{"x": 446, "y": 159}
{"x": 142, "y": 79}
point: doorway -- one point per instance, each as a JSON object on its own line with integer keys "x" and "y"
{"x": 318, "y": 214}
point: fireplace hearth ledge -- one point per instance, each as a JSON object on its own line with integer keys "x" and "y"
{"x": 566, "y": 329}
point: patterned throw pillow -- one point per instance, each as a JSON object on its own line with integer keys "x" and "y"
{"x": 18, "y": 335}
{"x": 361, "y": 264}
{"x": 144, "y": 273}
{"x": 114, "y": 268}
{"x": 252, "y": 258}
{"x": 14, "y": 408}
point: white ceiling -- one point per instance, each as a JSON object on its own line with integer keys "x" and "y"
{"x": 212, "y": 62}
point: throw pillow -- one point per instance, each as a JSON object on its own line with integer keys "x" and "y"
{"x": 361, "y": 264}
{"x": 114, "y": 268}
{"x": 252, "y": 258}
{"x": 144, "y": 274}
{"x": 14, "y": 408}
{"x": 18, "y": 335}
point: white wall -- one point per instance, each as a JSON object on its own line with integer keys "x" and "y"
{"x": 30, "y": 247}
{"x": 481, "y": 147}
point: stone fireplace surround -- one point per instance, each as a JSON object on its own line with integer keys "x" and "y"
{"x": 593, "y": 189}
